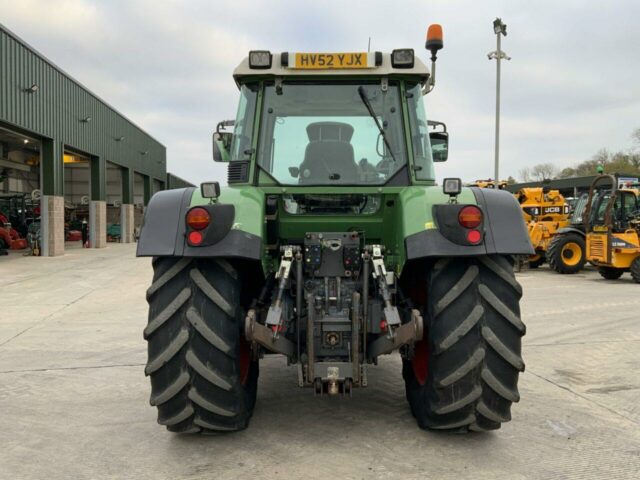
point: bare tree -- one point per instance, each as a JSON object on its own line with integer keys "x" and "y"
{"x": 602, "y": 156}
{"x": 620, "y": 162}
{"x": 543, "y": 171}
{"x": 636, "y": 137}
{"x": 525, "y": 174}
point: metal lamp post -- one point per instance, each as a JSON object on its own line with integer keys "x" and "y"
{"x": 499, "y": 29}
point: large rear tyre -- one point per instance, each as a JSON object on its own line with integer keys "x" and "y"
{"x": 566, "y": 253}
{"x": 464, "y": 373}
{"x": 202, "y": 375}
{"x": 610, "y": 273}
{"x": 635, "y": 270}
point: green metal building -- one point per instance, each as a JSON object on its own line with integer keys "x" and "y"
{"x": 70, "y": 153}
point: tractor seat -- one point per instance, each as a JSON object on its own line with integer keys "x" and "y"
{"x": 329, "y": 154}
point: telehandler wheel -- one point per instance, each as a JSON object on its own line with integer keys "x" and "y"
{"x": 566, "y": 253}
{"x": 202, "y": 376}
{"x": 610, "y": 273}
{"x": 536, "y": 260}
{"x": 464, "y": 373}
{"x": 635, "y": 270}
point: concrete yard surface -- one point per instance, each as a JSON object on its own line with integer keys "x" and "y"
{"x": 74, "y": 401}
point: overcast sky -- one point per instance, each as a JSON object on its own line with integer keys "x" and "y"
{"x": 572, "y": 87}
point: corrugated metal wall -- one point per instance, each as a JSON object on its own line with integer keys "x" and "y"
{"x": 174, "y": 181}
{"x": 60, "y": 105}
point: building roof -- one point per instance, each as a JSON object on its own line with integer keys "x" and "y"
{"x": 564, "y": 183}
{"x": 72, "y": 79}
{"x": 180, "y": 180}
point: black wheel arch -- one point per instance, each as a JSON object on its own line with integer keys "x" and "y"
{"x": 505, "y": 232}
{"x": 163, "y": 231}
{"x": 565, "y": 230}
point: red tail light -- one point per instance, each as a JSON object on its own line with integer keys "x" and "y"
{"x": 198, "y": 218}
{"x": 470, "y": 217}
{"x": 474, "y": 236}
{"x": 195, "y": 238}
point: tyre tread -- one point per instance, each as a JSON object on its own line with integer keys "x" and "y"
{"x": 193, "y": 335}
{"x": 501, "y": 349}
{"x": 202, "y": 402}
{"x": 176, "y": 344}
{"x": 166, "y": 277}
{"x": 206, "y": 372}
{"x": 181, "y": 416}
{"x": 171, "y": 390}
{"x": 473, "y": 307}
{"x": 207, "y": 333}
{"x": 635, "y": 269}
{"x": 210, "y": 291}
{"x": 168, "y": 312}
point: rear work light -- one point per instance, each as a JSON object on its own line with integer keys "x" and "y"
{"x": 198, "y": 218}
{"x": 402, "y": 58}
{"x": 260, "y": 59}
{"x": 470, "y": 217}
{"x": 452, "y": 186}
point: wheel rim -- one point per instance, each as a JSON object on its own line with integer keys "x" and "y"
{"x": 420, "y": 361}
{"x": 245, "y": 360}
{"x": 571, "y": 254}
{"x": 534, "y": 258}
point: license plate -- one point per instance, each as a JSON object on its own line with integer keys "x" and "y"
{"x": 331, "y": 61}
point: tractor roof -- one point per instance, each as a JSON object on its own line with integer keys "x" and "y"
{"x": 283, "y": 65}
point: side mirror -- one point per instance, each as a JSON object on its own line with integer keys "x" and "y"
{"x": 222, "y": 141}
{"x": 294, "y": 172}
{"x": 221, "y": 146}
{"x": 439, "y": 146}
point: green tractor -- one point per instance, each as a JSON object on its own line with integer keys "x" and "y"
{"x": 332, "y": 245}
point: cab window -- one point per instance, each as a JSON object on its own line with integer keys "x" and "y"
{"x": 422, "y": 158}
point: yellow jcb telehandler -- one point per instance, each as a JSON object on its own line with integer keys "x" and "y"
{"x": 545, "y": 212}
{"x": 612, "y": 226}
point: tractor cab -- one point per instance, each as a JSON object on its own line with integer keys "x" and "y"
{"x": 331, "y": 120}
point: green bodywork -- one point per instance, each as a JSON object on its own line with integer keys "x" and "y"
{"x": 404, "y": 211}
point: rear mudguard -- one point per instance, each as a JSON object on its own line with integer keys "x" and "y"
{"x": 164, "y": 230}
{"x": 504, "y": 231}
